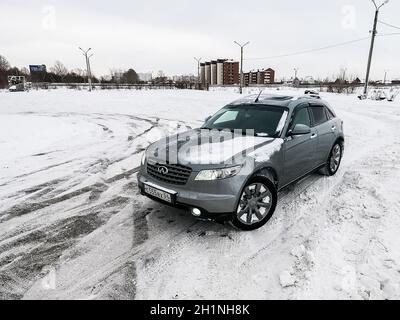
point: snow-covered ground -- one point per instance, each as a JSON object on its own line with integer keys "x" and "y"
{"x": 72, "y": 224}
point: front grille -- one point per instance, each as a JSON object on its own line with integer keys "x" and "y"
{"x": 177, "y": 174}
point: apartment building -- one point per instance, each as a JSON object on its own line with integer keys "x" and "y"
{"x": 207, "y": 77}
{"x": 213, "y": 78}
{"x": 219, "y": 72}
{"x": 269, "y": 76}
{"x": 231, "y": 73}
{"x": 226, "y": 72}
{"x": 202, "y": 73}
{"x": 259, "y": 77}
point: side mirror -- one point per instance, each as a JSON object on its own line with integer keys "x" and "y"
{"x": 208, "y": 118}
{"x": 300, "y": 129}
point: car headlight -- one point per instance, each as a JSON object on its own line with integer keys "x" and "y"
{"x": 218, "y": 174}
{"x": 143, "y": 158}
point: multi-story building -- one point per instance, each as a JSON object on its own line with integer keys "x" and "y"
{"x": 202, "y": 73}
{"x": 213, "y": 79}
{"x": 226, "y": 72}
{"x": 269, "y": 76}
{"x": 259, "y": 77}
{"x": 250, "y": 78}
{"x": 231, "y": 73}
{"x": 219, "y": 72}
{"x": 255, "y": 77}
{"x": 207, "y": 78}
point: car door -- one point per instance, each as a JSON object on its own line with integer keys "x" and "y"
{"x": 299, "y": 150}
{"x": 325, "y": 129}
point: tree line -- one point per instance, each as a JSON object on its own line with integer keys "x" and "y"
{"x": 58, "y": 73}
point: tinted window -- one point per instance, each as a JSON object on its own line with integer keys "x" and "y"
{"x": 302, "y": 117}
{"x": 319, "y": 115}
{"x": 263, "y": 120}
{"x": 330, "y": 114}
{"x": 230, "y": 115}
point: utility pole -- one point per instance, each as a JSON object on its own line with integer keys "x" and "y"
{"x": 198, "y": 71}
{"x": 371, "y": 49}
{"x": 241, "y": 64}
{"x": 88, "y": 70}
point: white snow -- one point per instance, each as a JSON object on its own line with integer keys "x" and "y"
{"x": 219, "y": 152}
{"x": 263, "y": 154}
{"x": 72, "y": 224}
{"x": 286, "y": 279}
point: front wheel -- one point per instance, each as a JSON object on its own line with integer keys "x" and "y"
{"x": 256, "y": 206}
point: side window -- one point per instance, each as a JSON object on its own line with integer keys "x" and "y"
{"x": 302, "y": 117}
{"x": 319, "y": 115}
{"x": 329, "y": 114}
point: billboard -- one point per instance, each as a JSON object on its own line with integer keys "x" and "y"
{"x": 37, "y": 68}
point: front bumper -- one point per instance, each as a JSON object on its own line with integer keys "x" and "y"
{"x": 217, "y": 200}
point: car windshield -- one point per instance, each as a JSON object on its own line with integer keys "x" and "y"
{"x": 266, "y": 121}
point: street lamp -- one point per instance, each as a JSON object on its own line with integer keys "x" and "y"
{"x": 295, "y": 73}
{"x": 198, "y": 70}
{"x": 241, "y": 64}
{"x": 384, "y": 80}
{"x": 88, "y": 70}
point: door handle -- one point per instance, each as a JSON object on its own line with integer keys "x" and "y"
{"x": 333, "y": 128}
{"x": 314, "y": 135}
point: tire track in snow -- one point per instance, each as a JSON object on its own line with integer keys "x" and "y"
{"x": 39, "y": 200}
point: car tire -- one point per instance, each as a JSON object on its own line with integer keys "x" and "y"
{"x": 334, "y": 160}
{"x": 260, "y": 209}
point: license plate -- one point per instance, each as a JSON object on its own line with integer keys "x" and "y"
{"x": 162, "y": 195}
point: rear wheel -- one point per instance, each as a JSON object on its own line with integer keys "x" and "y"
{"x": 334, "y": 160}
{"x": 256, "y": 205}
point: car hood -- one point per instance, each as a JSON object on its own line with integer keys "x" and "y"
{"x": 205, "y": 147}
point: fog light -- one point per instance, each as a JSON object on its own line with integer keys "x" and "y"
{"x": 196, "y": 212}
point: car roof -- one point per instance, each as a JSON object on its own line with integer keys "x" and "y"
{"x": 286, "y": 101}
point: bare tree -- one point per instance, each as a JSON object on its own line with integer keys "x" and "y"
{"x": 4, "y": 64}
{"x": 59, "y": 69}
{"x": 25, "y": 71}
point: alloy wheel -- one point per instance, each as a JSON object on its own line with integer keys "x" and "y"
{"x": 336, "y": 155}
{"x": 255, "y": 204}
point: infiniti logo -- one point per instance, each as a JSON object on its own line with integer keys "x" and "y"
{"x": 163, "y": 170}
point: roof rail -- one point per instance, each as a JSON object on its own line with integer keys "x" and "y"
{"x": 308, "y": 97}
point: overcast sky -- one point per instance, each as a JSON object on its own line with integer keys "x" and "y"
{"x": 157, "y": 35}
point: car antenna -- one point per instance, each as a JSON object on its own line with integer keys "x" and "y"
{"x": 259, "y": 95}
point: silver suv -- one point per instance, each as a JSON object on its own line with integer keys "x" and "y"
{"x": 232, "y": 168}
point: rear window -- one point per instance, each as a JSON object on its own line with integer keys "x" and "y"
{"x": 319, "y": 115}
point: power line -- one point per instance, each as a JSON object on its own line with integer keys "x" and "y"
{"x": 323, "y": 48}
{"x": 312, "y": 50}
{"x": 388, "y": 34}
{"x": 388, "y": 24}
